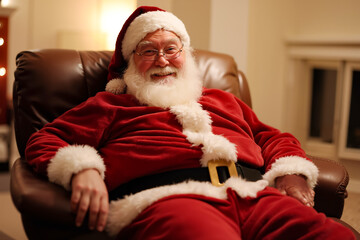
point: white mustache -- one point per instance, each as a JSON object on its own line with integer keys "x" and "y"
{"x": 162, "y": 71}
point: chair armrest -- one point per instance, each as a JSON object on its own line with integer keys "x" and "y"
{"x": 45, "y": 207}
{"x": 330, "y": 191}
{"x": 36, "y": 196}
{"x": 355, "y": 232}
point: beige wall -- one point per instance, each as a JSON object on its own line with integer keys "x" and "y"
{"x": 196, "y": 17}
{"x": 194, "y": 14}
{"x": 66, "y": 24}
{"x": 36, "y": 24}
{"x": 270, "y": 23}
{"x": 49, "y": 18}
{"x": 211, "y": 24}
{"x": 253, "y": 32}
{"x": 53, "y": 24}
{"x": 229, "y": 29}
{"x": 19, "y": 32}
{"x": 219, "y": 26}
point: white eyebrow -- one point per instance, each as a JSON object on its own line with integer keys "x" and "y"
{"x": 144, "y": 43}
{"x": 149, "y": 43}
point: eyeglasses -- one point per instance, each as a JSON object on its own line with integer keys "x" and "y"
{"x": 152, "y": 54}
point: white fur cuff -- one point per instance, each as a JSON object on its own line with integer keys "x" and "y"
{"x": 293, "y": 165}
{"x": 71, "y": 160}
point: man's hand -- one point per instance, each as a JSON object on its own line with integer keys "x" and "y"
{"x": 89, "y": 193}
{"x": 297, "y": 187}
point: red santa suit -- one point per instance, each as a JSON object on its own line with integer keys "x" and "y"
{"x": 125, "y": 140}
{"x": 130, "y": 140}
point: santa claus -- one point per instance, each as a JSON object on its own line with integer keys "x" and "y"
{"x": 154, "y": 140}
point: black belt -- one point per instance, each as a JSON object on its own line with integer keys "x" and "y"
{"x": 181, "y": 175}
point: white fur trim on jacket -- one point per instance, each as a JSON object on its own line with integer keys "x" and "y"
{"x": 293, "y": 165}
{"x": 115, "y": 86}
{"x": 123, "y": 211}
{"x": 150, "y": 22}
{"x": 217, "y": 147}
{"x": 192, "y": 117}
{"x": 72, "y": 159}
{"x": 196, "y": 123}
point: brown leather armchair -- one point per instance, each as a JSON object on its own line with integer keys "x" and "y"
{"x": 49, "y": 82}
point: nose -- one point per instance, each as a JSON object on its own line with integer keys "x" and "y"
{"x": 161, "y": 61}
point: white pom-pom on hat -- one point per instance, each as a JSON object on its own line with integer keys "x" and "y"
{"x": 116, "y": 86}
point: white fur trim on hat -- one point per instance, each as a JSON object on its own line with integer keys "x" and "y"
{"x": 150, "y": 22}
{"x": 115, "y": 86}
{"x": 72, "y": 159}
{"x": 123, "y": 211}
{"x": 293, "y": 165}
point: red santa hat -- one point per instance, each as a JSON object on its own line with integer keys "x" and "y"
{"x": 142, "y": 21}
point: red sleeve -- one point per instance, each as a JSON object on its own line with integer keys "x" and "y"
{"x": 75, "y": 127}
{"x": 274, "y": 143}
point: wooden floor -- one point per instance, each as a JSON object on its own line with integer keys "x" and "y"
{"x": 351, "y": 212}
{"x": 10, "y": 220}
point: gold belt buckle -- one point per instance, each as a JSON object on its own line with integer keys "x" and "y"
{"x": 213, "y": 164}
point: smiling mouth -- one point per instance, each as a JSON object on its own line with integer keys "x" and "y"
{"x": 162, "y": 75}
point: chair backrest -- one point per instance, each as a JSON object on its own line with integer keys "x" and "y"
{"x": 51, "y": 81}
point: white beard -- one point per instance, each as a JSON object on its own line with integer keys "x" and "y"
{"x": 185, "y": 87}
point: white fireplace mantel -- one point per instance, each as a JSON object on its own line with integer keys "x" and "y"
{"x": 322, "y": 40}
{"x": 324, "y": 48}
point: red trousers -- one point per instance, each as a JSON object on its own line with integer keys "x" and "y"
{"x": 269, "y": 216}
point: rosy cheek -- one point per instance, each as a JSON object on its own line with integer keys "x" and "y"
{"x": 144, "y": 67}
{"x": 178, "y": 62}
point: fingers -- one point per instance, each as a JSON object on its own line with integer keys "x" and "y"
{"x": 89, "y": 195}
{"x": 82, "y": 209}
{"x": 282, "y": 191}
{"x": 75, "y": 199}
{"x": 103, "y": 214}
{"x": 99, "y": 208}
{"x": 305, "y": 196}
{"x": 309, "y": 197}
{"x": 79, "y": 205}
{"x": 296, "y": 186}
{"x": 93, "y": 212}
{"x": 307, "y": 201}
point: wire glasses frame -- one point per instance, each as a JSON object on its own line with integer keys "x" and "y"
{"x": 153, "y": 54}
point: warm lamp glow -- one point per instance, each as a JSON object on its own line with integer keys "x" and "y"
{"x": 2, "y": 71}
{"x": 1, "y": 41}
{"x": 5, "y": 3}
{"x": 113, "y": 15}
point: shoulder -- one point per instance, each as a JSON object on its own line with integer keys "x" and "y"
{"x": 224, "y": 100}
{"x": 103, "y": 103}
{"x": 213, "y": 92}
{"x": 110, "y": 99}
{"x": 218, "y": 95}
